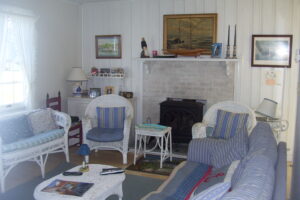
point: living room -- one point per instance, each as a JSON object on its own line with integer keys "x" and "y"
{"x": 64, "y": 37}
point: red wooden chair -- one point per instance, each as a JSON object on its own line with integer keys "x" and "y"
{"x": 55, "y": 104}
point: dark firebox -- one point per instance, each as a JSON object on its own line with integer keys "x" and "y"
{"x": 181, "y": 114}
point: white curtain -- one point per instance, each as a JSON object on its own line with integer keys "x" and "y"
{"x": 17, "y": 50}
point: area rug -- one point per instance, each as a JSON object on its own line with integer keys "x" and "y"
{"x": 151, "y": 165}
{"x": 134, "y": 187}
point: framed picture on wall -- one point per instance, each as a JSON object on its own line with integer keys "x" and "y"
{"x": 108, "y": 46}
{"x": 271, "y": 50}
{"x": 190, "y": 32}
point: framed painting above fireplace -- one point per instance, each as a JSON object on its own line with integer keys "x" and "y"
{"x": 190, "y": 32}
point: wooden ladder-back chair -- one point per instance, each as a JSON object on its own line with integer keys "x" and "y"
{"x": 55, "y": 104}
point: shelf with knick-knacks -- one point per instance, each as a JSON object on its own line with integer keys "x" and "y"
{"x": 107, "y": 72}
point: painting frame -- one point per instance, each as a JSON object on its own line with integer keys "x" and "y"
{"x": 114, "y": 49}
{"x": 178, "y": 29}
{"x": 266, "y": 49}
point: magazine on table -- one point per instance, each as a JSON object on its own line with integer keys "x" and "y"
{"x": 68, "y": 187}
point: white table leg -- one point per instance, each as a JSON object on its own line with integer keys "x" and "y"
{"x": 171, "y": 151}
{"x": 161, "y": 151}
{"x": 135, "y": 146}
{"x": 145, "y": 148}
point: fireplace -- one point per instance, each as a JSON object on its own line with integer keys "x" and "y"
{"x": 181, "y": 114}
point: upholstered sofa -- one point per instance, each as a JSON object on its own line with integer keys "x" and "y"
{"x": 32, "y": 136}
{"x": 260, "y": 174}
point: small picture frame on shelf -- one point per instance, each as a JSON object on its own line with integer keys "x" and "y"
{"x": 95, "y": 92}
{"x": 216, "y": 50}
{"x": 109, "y": 90}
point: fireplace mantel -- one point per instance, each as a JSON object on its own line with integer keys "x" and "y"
{"x": 229, "y": 62}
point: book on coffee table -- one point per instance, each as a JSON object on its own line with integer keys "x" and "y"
{"x": 68, "y": 187}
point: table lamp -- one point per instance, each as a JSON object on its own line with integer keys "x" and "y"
{"x": 84, "y": 150}
{"x": 267, "y": 108}
{"x": 77, "y": 76}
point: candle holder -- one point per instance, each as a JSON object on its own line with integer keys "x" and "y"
{"x": 234, "y": 45}
{"x": 228, "y": 44}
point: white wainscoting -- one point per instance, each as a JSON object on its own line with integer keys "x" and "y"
{"x": 134, "y": 19}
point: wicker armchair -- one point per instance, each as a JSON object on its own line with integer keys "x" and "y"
{"x": 90, "y": 121}
{"x": 209, "y": 119}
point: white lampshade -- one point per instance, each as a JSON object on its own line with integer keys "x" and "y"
{"x": 77, "y": 75}
{"x": 267, "y": 108}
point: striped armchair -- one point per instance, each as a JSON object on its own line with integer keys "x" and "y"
{"x": 106, "y": 125}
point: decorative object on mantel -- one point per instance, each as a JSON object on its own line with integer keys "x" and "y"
{"x": 179, "y": 34}
{"x": 228, "y": 44}
{"x": 108, "y": 46}
{"x": 234, "y": 44}
{"x": 185, "y": 52}
{"x": 271, "y": 50}
{"x": 77, "y": 76}
{"x": 216, "y": 51}
{"x": 144, "y": 53}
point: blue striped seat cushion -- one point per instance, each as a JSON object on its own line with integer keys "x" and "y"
{"x": 33, "y": 141}
{"x": 105, "y": 134}
{"x": 110, "y": 117}
{"x": 227, "y": 123}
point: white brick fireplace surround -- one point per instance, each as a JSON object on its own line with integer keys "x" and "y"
{"x": 156, "y": 79}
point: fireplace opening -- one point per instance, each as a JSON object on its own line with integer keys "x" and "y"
{"x": 181, "y": 114}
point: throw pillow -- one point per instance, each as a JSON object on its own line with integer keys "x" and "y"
{"x": 228, "y": 123}
{"x": 110, "y": 117}
{"x": 214, "y": 192}
{"x": 14, "y": 128}
{"x": 41, "y": 121}
{"x": 229, "y": 150}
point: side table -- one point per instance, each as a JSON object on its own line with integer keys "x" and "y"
{"x": 277, "y": 125}
{"x": 163, "y": 140}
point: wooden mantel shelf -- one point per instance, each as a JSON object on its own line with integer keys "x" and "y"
{"x": 228, "y": 62}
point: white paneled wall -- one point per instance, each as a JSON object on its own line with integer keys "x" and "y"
{"x": 144, "y": 18}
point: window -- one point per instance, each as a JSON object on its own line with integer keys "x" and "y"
{"x": 16, "y": 44}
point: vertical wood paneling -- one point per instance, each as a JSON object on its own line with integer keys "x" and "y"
{"x": 190, "y": 6}
{"x": 166, "y": 7}
{"x": 244, "y": 30}
{"x": 222, "y": 28}
{"x": 210, "y": 6}
{"x": 200, "y": 6}
{"x": 179, "y": 6}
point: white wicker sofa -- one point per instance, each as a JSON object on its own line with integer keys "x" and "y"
{"x": 32, "y": 136}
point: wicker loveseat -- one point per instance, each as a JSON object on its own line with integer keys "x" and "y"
{"x": 32, "y": 136}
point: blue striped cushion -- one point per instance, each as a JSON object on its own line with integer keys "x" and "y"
{"x": 227, "y": 123}
{"x": 226, "y": 151}
{"x": 214, "y": 192}
{"x": 34, "y": 140}
{"x": 111, "y": 117}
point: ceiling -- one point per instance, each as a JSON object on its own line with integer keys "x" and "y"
{"x": 87, "y": 1}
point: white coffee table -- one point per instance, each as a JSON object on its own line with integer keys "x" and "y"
{"x": 104, "y": 185}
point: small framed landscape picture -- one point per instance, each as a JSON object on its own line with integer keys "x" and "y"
{"x": 108, "y": 46}
{"x": 271, "y": 50}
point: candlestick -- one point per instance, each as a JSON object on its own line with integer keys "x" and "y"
{"x": 228, "y": 44}
{"x": 234, "y": 46}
